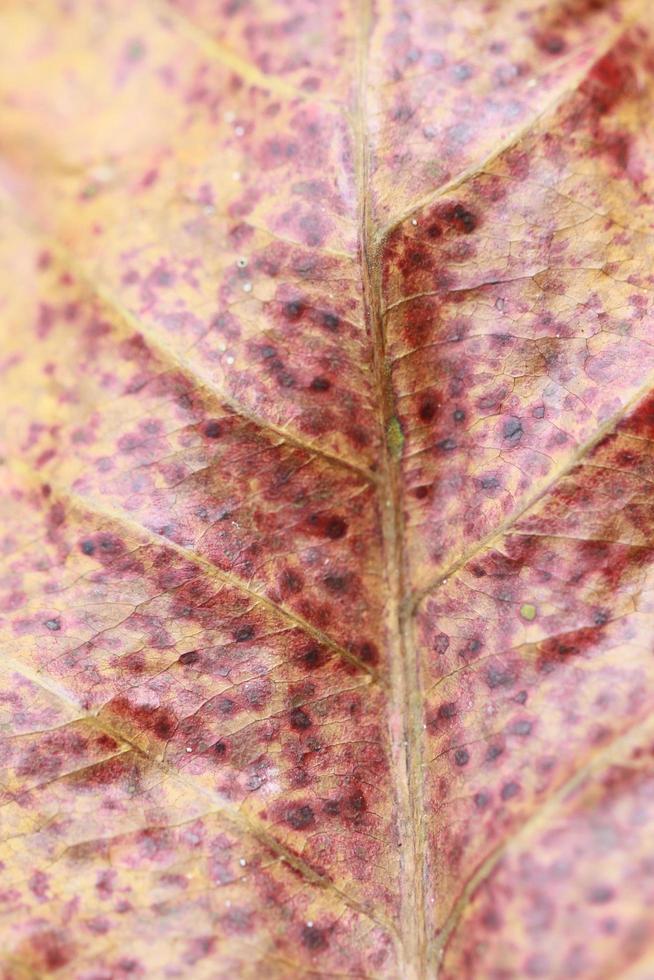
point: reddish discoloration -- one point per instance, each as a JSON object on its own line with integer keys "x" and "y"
{"x": 200, "y": 555}
{"x": 490, "y": 359}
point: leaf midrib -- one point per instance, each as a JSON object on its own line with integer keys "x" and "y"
{"x": 404, "y": 701}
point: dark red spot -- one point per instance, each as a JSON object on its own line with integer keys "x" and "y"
{"x": 494, "y": 752}
{"x": 353, "y": 806}
{"x": 327, "y": 525}
{"x": 369, "y": 653}
{"x": 336, "y": 583}
{"x": 320, "y": 384}
{"x": 161, "y": 722}
{"x": 226, "y": 706}
{"x": 459, "y": 217}
{"x": 330, "y": 321}
{"x": 300, "y": 720}
{"x": 300, "y": 817}
{"x": 314, "y": 939}
{"x": 189, "y": 658}
{"x": 104, "y": 773}
{"x": 618, "y": 148}
{"x": 244, "y": 633}
{"x": 52, "y": 950}
{"x": 568, "y": 645}
{"x": 294, "y": 309}
{"x": 441, "y": 643}
{"x": 291, "y": 582}
{"x": 428, "y": 409}
{"x": 335, "y": 528}
{"x": 313, "y": 658}
{"x": 610, "y": 80}
{"x": 641, "y": 421}
{"x": 550, "y": 43}
{"x": 212, "y": 429}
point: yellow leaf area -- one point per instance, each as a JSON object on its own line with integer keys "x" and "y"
{"x": 327, "y": 527}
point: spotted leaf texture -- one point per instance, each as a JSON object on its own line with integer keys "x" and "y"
{"x": 327, "y": 591}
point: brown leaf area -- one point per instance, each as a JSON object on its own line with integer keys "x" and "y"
{"x": 326, "y": 595}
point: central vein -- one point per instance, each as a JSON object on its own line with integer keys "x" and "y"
{"x": 405, "y": 708}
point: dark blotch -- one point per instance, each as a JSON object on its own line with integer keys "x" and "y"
{"x": 300, "y": 720}
{"x": 300, "y": 817}
{"x": 520, "y": 727}
{"x": 551, "y": 43}
{"x": 335, "y": 528}
{"x": 441, "y": 643}
{"x": 244, "y": 633}
{"x": 336, "y": 583}
{"x": 369, "y": 653}
{"x": 331, "y": 321}
{"x": 314, "y": 939}
{"x": 293, "y": 310}
{"x": 509, "y": 790}
{"x": 189, "y": 658}
{"x": 291, "y": 581}
{"x": 481, "y": 800}
{"x": 499, "y": 677}
{"x": 493, "y": 752}
{"x": 601, "y": 894}
{"x": 512, "y": 431}
{"x": 460, "y": 217}
{"x": 212, "y": 429}
{"x": 427, "y": 410}
{"x": 312, "y": 658}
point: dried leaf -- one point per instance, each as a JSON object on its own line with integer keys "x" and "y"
{"x": 327, "y": 520}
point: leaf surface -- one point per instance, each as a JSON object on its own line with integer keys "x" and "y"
{"x": 327, "y": 548}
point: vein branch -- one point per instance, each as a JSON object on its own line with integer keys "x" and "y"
{"x": 141, "y": 531}
{"x": 231, "y": 815}
{"x": 578, "y": 458}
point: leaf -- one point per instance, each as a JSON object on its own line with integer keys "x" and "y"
{"x": 328, "y": 558}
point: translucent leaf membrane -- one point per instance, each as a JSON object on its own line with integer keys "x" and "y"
{"x": 326, "y": 527}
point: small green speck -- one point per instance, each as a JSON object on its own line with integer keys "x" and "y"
{"x": 135, "y": 50}
{"x": 395, "y": 438}
{"x": 527, "y": 611}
